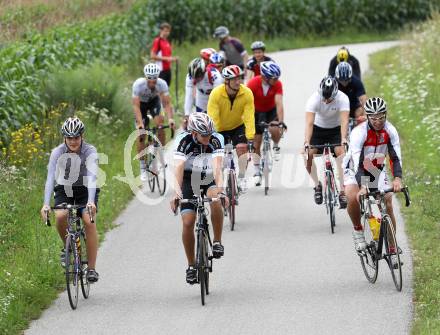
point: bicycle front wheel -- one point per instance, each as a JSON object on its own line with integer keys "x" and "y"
{"x": 151, "y": 176}
{"x": 161, "y": 181}
{"x": 231, "y": 192}
{"x": 266, "y": 171}
{"x": 72, "y": 272}
{"x": 201, "y": 265}
{"x": 330, "y": 202}
{"x": 82, "y": 251}
{"x": 392, "y": 251}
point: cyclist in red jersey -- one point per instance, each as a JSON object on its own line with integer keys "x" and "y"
{"x": 268, "y": 100}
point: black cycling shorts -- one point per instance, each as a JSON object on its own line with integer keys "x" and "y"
{"x": 80, "y": 196}
{"x": 199, "y": 186}
{"x": 322, "y": 136}
{"x": 236, "y": 135}
{"x": 265, "y": 117}
{"x": 152, "y": 107}
{"x": 166, "y": 75}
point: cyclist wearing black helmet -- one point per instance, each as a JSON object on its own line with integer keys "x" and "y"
{"x": 72, "y": 173}
{"x": 327, "y": 113}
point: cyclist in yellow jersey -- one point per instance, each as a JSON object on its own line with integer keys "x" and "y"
{"x": 231, "y": 107}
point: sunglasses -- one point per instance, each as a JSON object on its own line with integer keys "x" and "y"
{"x": 377, "y": 118}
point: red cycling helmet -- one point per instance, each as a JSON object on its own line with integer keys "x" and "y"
{"x": 206, "y": 53}
{"x": 232, "y": 71}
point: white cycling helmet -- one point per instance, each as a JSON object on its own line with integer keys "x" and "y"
{"x": 72, "y": 127}
{"x": 258, "y": 45}
{"x": 232, "y": 71}
{"x": 221, "y": 32}
{"x": 375, "y": 105}
{"x": 151, "y": 71}
{"x": 196, "y": 68}
{"x": 201, "y": 123}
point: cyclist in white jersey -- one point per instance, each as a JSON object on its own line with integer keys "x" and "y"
{"x": 203, "y": 80}
{"x": 327, "y": 113}
{"x": 149, "y": 95}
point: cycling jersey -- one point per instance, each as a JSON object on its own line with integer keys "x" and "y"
{"x": 367, "y": 152}
{"x": 211, "y": 79}
{"x": 198, "y": 157}
{"x": 328, "y": 115}
{"x": 234, "y": 51}
{"x": 72, "y": 170}
{"x": 228, "y": 113}
{"x": 354, "y": 89}
{"x": 254, "y": 66}
{"x": 162, "y": 47}
{"x": 146, "y": 94}
{"x": 264, "y": 101}
{"x": 351, "y": 60}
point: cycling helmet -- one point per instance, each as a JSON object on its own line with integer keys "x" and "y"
{"x": 270, "y": 69}
{"x": 232, "y": 71}
{"x": 342, "y": 55}
{"x": 72, "y": 127}
{"x": 217, "y": 58}
{"x": 196, "y": 68}
{"x": 258, "y": 45}
{"x": 328, "y": 88}
{"x": 221, "y": 32}
{"x": 206, "y": 53}
{"x": 375, "y": 105}
{"x": 151, "y": 71}
{"x": 201, "y": 123}
{"x": 343, "y": 71}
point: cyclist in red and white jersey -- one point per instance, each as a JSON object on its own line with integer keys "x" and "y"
{"x": 364, "y": 164}
{"x": 268, "y": 101}
{"x": 203, "y": 80}
{"x": 253, "y": 64}
{"x": 206, "y": 53}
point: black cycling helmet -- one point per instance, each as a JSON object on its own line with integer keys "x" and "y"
{"x": 328, "y": 87}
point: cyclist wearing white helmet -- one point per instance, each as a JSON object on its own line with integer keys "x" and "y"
{"x": 253, "y": 64}
{"x": 231, "y": 107}
{"x": 235, "y": 53}
{"x": 77, "y": 160}
{"x": 268, "y": 101}
{"x": 203, "y": 80}
{"x": 327, "y": 112}
{"x": 198, "y": 157}
{"x": 364, "y": 164}
{"x": 343, "y": 55}
{"x": 149, "y": 95}
{"x": 353, "y": 87}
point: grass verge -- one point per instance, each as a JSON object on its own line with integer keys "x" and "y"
{"x": 408, "y": 77}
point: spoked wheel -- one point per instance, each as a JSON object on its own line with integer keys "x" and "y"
{"x": 72, "y": 273}
{"x": 331, "y": 203}
{"x": 390, "y": 242}
{"x": 266, "y": 169}
{"x": 161, "y": 180}
{"x": 231, "y": 192}
{"x": 369, "y": 261}
{"x": 201, "y": 265}
{"x": 151, "y": 176}
{"x": 85, "y": 285}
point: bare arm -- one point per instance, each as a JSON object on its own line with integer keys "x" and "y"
{"x": 345, "y": 115}
{"x": 310, "y": 119}
{"x": 137, "y": 112}
{"x": 166, "y": 102}
{"x": 155, "y": 56}
{"x": 179, "y": 168}
{"x": 280, "y": 107}
{"x": 218, "y": 172}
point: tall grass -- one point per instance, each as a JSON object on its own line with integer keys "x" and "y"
{"x": 408, "y": 78}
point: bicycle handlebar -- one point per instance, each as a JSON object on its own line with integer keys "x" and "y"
{"x": 322, "y": 146}
{"x": 375, "y": 193}
{"x": 65, "y": 205}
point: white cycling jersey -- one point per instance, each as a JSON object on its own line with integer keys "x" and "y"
{"x": 146, "y": 94}
{"x": 212, "y": 79}
{"x": 328, "y": 115}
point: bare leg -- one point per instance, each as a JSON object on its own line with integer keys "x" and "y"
{"x": 353, "y": 208}
{"x": 216, "y": 215}
{"x": 92, "y": 240}
{"x": 311, "y": 167}
{"x": 188, "y": 220}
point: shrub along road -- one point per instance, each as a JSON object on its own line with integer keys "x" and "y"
{"x": 283, "y": 272}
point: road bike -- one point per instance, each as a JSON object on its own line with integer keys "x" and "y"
{"x": 381, "y": 237}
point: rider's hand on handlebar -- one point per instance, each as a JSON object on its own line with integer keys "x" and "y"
{"x": 174, "y": 203}
{"x": 92, "y": 207}
{"x": 171, "y": 123}
{"x": 397, "y": 184}
{"x": 251, "y": 148}
{"x": 224, "y": 199}
{"x": 362, "y": 191}
{"x": 45, "y": 210}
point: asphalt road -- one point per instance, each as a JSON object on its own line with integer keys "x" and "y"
{"x": 283, "y": 271}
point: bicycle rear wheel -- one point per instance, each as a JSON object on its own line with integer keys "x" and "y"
{"x": 390, "y": 240}
{"x": 231, "y": 192}
{"x": 369, "y": 261}
{"x": 72, "y": 272}
{"x": 266, "y": 171}
{"x": 82, "y": 251}
{"x": 201, "y": 266}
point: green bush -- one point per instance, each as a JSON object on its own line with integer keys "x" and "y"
{"x": 195, "y": 19}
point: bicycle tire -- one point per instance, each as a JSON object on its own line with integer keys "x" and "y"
{"x": 85, "y": 285}
{"x": 330, "y": 200}
{"x": 161, "y": 181}
{"x": 390, "y": 238}
{"x": 200, "y": 266}
{"x": 206, "y": 262}
{"x": 72, "y": 272}
{"x": 369, "y": 261}
{"x": 151, "y": 177}
{"x": 232, "y": 195}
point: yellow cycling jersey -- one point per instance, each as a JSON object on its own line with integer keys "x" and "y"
{"x": 227, "y": 115}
